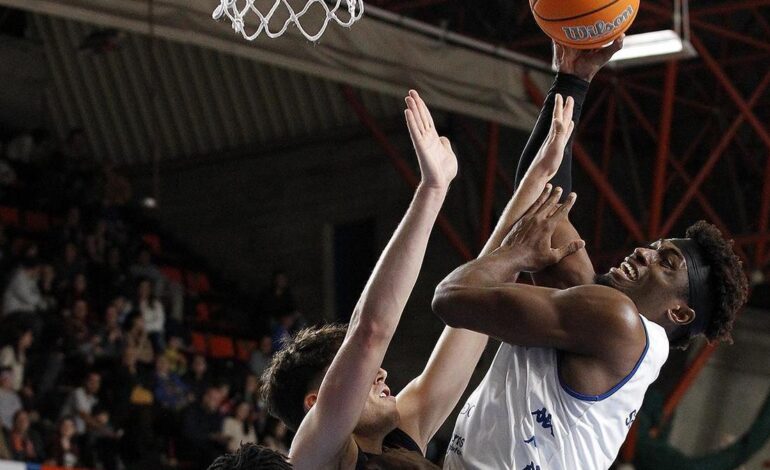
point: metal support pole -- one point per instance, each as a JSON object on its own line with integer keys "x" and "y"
{"x": 609, "y": 131}
{"x": 664, "y": 142}
{"x": 402, "y": 167}
{"x": 488, "y": 198}
{"x": 715, "y": 155}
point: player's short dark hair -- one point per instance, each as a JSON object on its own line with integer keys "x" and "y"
{"x": 297, "y": 369}
{"x": 728, "y": 282}
{"x": 401, "y": 459}
{"x": 252, "y": 457}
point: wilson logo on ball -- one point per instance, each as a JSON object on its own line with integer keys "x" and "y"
{"x": 598, "y": 29}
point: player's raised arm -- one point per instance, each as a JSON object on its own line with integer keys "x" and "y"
{"x": 324, "y": 438}
{"x": 428, "y": 400}
{"x": 477, "y": 295}
{"x": 576, "y": 68}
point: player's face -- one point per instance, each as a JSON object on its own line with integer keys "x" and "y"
{"x": 651, "y": 276}
{"x": 380, "y": 412}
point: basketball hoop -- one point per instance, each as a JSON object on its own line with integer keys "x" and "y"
{"x": 238, "y": 16}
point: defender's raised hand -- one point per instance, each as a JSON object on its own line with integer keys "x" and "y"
{"x": 531, "y": 235}
{"x": 551, "y": 153}
{"x": 438, "y": 163}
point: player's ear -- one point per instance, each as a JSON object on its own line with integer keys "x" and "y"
{"x": 681, "y": 315}
{"x": 310, "y": 400}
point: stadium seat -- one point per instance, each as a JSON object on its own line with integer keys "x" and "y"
{"x": 9, "y": 216}
{"x": 198, "y": 343}
{"x": 244, "y": 349}
{"x": 221, "y": 347}
{"x": 37, "y": 221}
{"x": 172, "y": 274}
{"x": 152, "y": 241}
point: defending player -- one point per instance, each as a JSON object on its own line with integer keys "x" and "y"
{"x": 566, "y": 384}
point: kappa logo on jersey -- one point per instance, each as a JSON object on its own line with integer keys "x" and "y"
{"x": 532, "y": 441}
{"x": 543, "y": 418}
{"x": 467, "y": 410}
{"x": 532, "y": 466}
{"x": 456, "y": 445}
{"x": 631, "y": 418}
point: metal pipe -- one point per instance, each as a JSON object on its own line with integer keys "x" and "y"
{"x": 488, "y": 198}
{"x": 456, "y": 39}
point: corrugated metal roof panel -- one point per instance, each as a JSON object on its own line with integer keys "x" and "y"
{"x": 191, "y": 101}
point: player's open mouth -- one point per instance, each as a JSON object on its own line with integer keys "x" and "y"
{"x": 627, "y": 270}
{"x": 385, "y": 393}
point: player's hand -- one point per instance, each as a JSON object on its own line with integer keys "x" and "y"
{"x": 549, "y": 157}
{"x": 531, "y": 236}
{"x": 438, "y": 164}
{"x": 584, "y": 63}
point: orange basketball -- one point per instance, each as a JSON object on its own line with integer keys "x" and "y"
{"x": 584, "y": 24}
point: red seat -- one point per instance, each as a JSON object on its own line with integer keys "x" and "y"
{"x": 202, "y": 312}
{"x": 9, "y": 216}
{"x": 172, "y": 274}
{"x": 153, "y": 242}
{"x": 197, "y": 283}
{"x": 221, "y": 347}
{"x": 244, "y": 349}
{"x": 198, "y": 341}
{"x": 37, "y": 221}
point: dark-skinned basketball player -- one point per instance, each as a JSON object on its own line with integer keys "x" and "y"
{"x": 579, "y": 350}
{"x": 327, "y": 382}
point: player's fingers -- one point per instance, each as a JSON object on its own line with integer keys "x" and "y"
{"x": 558, "y": 107}
{"x": 534, "y": 208}
{"x": 548, "y": 206}
{"x": 564, "y": 209}
{"x": 570, "y": 129}
{"x": 412, "y": 105}
{"x": 569, "y": 249}
{"x": 411, "y": 124}
{"x": 569, "y": 109}
{"x": 445, "y": 142}
{"x": 425, "y": 112}
{"x": 422, "y": 110}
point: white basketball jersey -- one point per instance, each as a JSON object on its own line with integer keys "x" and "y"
{"x": 523, "y": 417}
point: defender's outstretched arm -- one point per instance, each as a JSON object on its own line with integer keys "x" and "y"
{"x": 324, "y": 437}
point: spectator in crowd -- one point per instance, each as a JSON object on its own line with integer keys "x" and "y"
{"x": 170, "y": 392}
{"x": 202, "y": 427}
{"x": 104, "y": 441}
{"x": 109, "y": 336}
{"x": 78, "y": 341}
{"x": 14, "y": 355}
{"x": 277, "y": 300}
{"x": 23, "y": 294}
{"x": 10, "y": 402}
{"x": 96, "y": 243}
{"x": 153, "y": 314}
{"x": 25, "y": 443}
{"x": 72, "y": 231}
{"x": 144, "y": 268}
{"x": 239, "y": 428}
{"x": 198, "y": 378}
{"x": 63, "y": 450}
{"x": 114, "y": 278}
{"x": 69, "y": 266}
{"x": 260, "y": 358}
{"x": 275, "y": 436}
{"x": 138, "y": 340}
{"x": 251, "y": 389}
{"x": 174, "y": 354}
{"x": 80, "y": 403}
{"x": 283, "y": 329}
{"x": 48, "y": 288}
{"x": 77, "y": 290}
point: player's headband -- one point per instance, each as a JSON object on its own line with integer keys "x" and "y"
{"x": 699, "y": 277}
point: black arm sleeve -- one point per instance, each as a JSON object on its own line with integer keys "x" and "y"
{"x": 566, "y": 85}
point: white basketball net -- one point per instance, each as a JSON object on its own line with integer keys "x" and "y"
{"x": 237, "y": 10}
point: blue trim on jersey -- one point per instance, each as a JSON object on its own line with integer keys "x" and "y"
{"x": 614, "y": 389}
